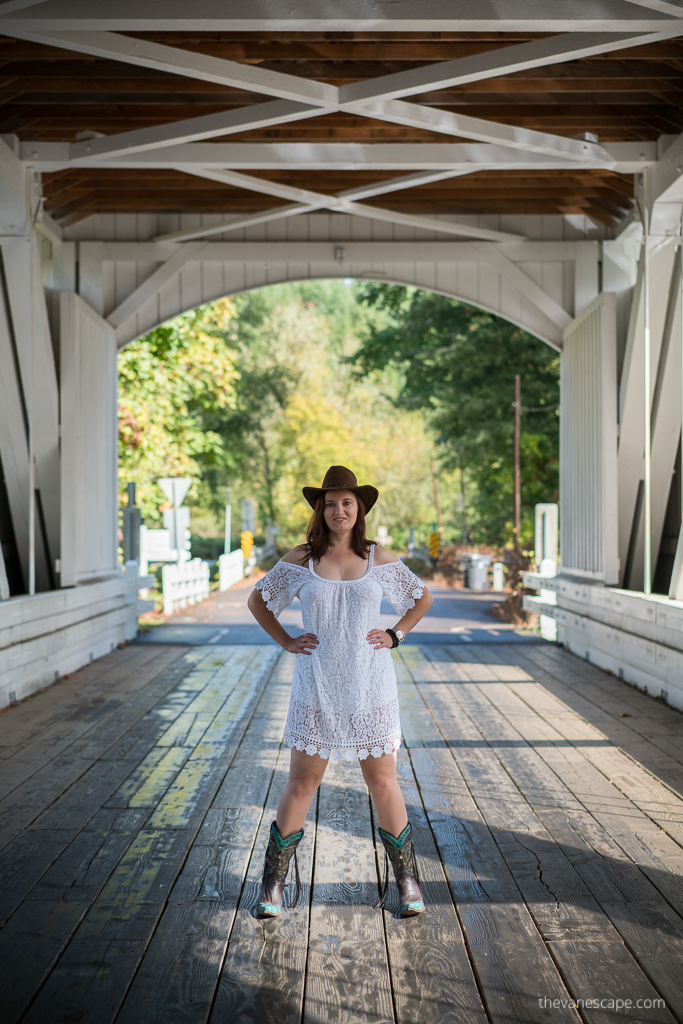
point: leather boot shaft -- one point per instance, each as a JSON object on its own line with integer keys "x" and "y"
{"x": 279, "y": 853}
{"x": 400, "y": 852}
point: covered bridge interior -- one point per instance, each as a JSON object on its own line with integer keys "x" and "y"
{"x": 523, "y": 157}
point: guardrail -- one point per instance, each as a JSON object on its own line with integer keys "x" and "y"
{"x": 230, "y": 569}
{"x": 184, "y": 583}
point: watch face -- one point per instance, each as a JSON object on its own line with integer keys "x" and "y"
{"x": 400, "y": 634}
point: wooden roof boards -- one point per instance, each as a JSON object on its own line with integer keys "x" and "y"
{"x": 49, "y": 93}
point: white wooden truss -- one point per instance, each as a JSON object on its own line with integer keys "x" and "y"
{"x": 121, "y": 275}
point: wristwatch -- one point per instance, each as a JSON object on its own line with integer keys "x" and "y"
{"x": 397, "y": 636}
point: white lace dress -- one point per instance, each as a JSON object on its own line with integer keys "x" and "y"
{"x": 344, "y": 701}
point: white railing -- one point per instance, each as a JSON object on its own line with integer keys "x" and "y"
{"x": 184, "y": 583}
{"x": 230, "y": 569}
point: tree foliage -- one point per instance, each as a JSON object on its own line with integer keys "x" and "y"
{"x": 174, "y": 384}
{"x": 458, "y": 365}
{"x": 300, "y": 409}
{"x": 261, "y": 393}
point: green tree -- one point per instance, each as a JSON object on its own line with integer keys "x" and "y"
{"x": 300, "y": 408}
{"x": 458, "y": 365}
{"x": 173, "y": 385}
{"x": 274, "y": 339}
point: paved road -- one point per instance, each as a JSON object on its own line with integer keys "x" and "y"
{"x": 457, "y": 616}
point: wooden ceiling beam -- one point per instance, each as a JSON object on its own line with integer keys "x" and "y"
{"x": 627, "y": 94}
{"x": 233, "y": 199}
{"x": 296, "y": 175}
{"x": 172, "y": 91}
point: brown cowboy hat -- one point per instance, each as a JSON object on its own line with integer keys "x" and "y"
{"x": 339, "y": 478}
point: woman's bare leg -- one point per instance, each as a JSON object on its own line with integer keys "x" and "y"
{"x": 380, "y": 775}
{"x": 305, "y": 775}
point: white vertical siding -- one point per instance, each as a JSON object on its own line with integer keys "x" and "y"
{"x": 588, "y": 443}
{"x": 89, "y": 443}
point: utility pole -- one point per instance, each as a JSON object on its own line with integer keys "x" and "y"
{"x": 228, "y": 523}
{"x": 435, "y": 483}
{"x": 517, "y": 499}
{"x": 463, "y": 521}
{"x": 461, "y": 505}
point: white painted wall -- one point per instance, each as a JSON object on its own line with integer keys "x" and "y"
{"x": 45, "y": 636}
{"x": 89, "y": 440}
{"x": 588, "y": 444}
{"x": 303, "y": 248}
{"x": 638, "y": 638}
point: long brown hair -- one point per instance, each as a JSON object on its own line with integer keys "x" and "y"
{"x": 318, "y": 535}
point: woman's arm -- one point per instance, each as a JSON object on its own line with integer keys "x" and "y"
{"x": 266, "y": 620}
{"x": 379, "y": 638}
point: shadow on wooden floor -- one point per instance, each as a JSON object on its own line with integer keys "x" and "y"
{"x": 136, "y": 797}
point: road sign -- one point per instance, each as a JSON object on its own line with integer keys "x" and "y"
{"x": 175, "y": 488}
{"x": 179, "y": 517}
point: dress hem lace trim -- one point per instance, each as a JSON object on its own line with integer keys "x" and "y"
{"x": 343, "y": 753}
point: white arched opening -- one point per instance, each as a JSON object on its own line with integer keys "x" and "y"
{"x": 531, "y": 284}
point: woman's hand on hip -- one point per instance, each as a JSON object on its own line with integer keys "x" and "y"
{"x": 301, "y": 644}
{"x": 377, "y": 638}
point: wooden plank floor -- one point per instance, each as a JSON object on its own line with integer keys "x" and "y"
{"x": 135, "y": 801}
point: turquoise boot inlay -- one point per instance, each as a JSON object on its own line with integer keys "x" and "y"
{"x": 279, "y": 852}
{"x": 400, "y": 851}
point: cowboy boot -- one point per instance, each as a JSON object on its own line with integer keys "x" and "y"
{"x": 401, "y": 853}
{"x": 278, "y": 855}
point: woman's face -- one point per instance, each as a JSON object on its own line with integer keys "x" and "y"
{"x": 340, "y": 511}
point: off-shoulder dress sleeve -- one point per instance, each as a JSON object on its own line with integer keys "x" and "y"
{"x": 400, "y": 585}
{"x": 281, "y": 585}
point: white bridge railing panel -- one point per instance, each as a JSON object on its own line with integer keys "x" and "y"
{"x": 230, "y": 569}
{"x": 588, "y": 444}
{"x": 184, "y": 583}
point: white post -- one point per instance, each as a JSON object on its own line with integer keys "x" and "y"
{"x": 176, "y": 533}
{"x": 647, "y": 482}
{"x": 4, "y": 583}
{"x": 228, "y": 528}
{"x": 31, "y": 451}
{"x": 676, "y": 586}
{"x": 143, "y": 550}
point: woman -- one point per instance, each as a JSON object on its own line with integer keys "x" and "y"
{"x": 344, "y": 701}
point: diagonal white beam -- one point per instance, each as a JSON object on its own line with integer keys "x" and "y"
{"x": 325, "y": 97}
{"x": 494, "y": 63}
{"x": 262, "y": 185}
{"x": 464, "y": 126}
{"x": 8, "y": 6}
{"x": 659, "y": 5}
{"x": 320, "y": 199}
{"x": 257, "y": 115}
{"x": 310, "y": 201}
{"x": 523, "y": 283}
{"x": 175, "y": 61}
{"x": 161, "y": 276}
{"x": 424, "y": 223}
{"x": 321, "y": 97}
{"x": 381, "y": 188}
{"x": 237, "y": 223}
